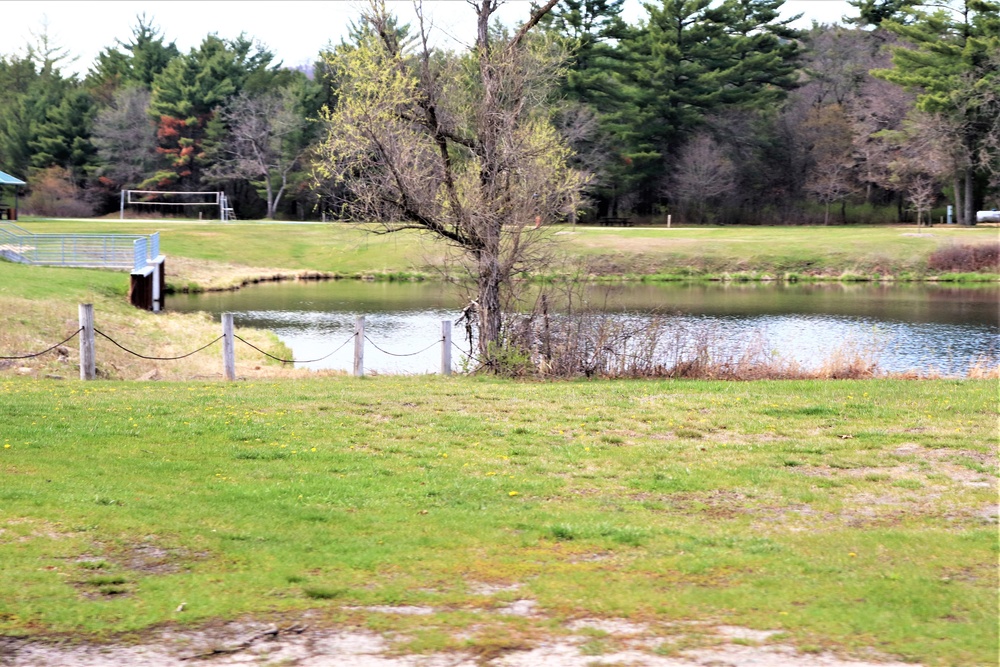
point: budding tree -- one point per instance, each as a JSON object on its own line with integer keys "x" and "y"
{"x": 459, "y": 146}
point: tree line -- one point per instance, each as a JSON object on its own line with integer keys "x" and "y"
{"x": 708, "y": 111}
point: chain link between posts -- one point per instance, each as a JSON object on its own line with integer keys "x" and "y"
{"x": 49, "y": 349}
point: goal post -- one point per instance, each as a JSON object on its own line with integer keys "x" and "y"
{"x": 130, "y": 198}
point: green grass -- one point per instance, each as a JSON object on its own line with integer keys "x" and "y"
{"x": 850, "y": 515}
{"x": 733, "y": 253}
{"x": 71, "y": 285}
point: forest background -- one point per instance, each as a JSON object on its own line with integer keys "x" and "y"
{"x": 712, "y": 112}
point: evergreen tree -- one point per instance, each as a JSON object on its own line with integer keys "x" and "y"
{"x": 874, "y": 12}
{"x": 34, "y": 88}
{"x": 132, "y": 63}
{"x": 691, "y": 59}
{"x": 186, "y": 94}
{"x": 948, "y": 56}
{"x": 63, "y": 137}
{"x": 591, "y": 94}
{"x": 17, "y": 77}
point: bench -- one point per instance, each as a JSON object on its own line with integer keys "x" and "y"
{"x": 7, "y": 211}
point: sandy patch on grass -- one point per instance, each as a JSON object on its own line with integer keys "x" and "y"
{"x": 183, "y": 273}
{"x": 403, "y": 610}
{"x": 488, "y": 589}
{"x": 305, "y": 645}
{"x": 612, "y": 626}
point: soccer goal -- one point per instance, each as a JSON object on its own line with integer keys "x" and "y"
{"x": 131, "y": 198}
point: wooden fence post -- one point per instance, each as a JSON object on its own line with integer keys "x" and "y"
{"x": 359, "y": 346}
{"x": 445, "y": 347}
{"x": 88, "y": 364}
{"x": 228, "y": 347}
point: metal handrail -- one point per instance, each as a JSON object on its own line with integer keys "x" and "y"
{"x": 119, "y": 251}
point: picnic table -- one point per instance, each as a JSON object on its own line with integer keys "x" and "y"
{"x": 614, "y": 222}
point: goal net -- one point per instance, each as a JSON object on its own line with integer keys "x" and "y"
{"x": 142, "y": 198}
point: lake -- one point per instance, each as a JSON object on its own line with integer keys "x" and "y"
{"x": 914, "y": 326}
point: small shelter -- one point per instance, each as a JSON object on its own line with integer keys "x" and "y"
{"x": 9, "y": 208}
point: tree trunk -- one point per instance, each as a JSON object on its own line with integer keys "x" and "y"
{"x": 970, "y": 216}
{"x": 489, "y": 311}
{"x": 959, "y": 211}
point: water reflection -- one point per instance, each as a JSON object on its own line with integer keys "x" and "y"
{"x": 919, "y": 327}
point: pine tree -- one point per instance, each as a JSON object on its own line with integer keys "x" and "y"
{"x": 186, "y": 94}
{"x": 949, "y": 57}
{"x": 133, "y": 63}
{"x": 591, "y": 95}
{"x": 691, "y": 59}
{"x": 63, "y": 137}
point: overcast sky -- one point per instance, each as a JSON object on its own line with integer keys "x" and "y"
{"x": 294, "y": 30}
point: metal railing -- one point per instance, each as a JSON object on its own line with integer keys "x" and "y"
{"x": 112, "y": 251}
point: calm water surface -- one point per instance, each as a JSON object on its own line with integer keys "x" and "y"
{"x": 914, "y": 327}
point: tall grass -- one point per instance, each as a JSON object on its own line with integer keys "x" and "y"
{"x": 574, "y": 343}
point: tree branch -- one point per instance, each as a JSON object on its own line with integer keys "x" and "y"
{"x": 536, "y": 16}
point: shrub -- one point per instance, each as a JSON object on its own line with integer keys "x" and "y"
{"x": 52, "y": 193}
{"x": 966, "y": 258}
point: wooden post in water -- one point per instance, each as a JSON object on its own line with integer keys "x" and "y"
{"x": 445, "y": 347}
{"x": 359, "y": 346}
{"x": 88, "y": 364}
{"x": 228, "y": 347}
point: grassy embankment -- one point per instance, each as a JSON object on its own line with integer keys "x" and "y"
{"x": 850, "y": 516}
{"x": 40, "y": 307}
{"x": 212, "y": 255}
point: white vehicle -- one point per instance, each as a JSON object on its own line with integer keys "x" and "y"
{"x": 988, "y": 216}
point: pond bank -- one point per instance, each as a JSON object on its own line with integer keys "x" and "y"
{"x": 224, "y": 278}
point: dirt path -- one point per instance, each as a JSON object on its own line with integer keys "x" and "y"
{"x": 586, "y": 643}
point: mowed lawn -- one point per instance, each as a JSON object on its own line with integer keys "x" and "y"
{"x": 849, "y": 515}
{"x": 353, "y": 250}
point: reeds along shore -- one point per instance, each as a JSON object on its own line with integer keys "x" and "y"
{"x": 595, "y": 345}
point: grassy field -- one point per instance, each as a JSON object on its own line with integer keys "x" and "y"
{"x": 213, "y": 255}
{"x": 850, "y": 516}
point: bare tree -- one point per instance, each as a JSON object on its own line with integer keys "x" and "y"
{"x": 263, "y": 144}
{"x": 703, "y": 173}
{"x": 126, "y": 139}
{"x": 878, "y": 110}
{"x": 922, "y": 154}
{"x": 831, "y": 181}
{"x": 922, "y": 193}
{"x": 460, "y": 147}
{"x": 831, "y": 178}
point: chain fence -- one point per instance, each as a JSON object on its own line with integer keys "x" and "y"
{"x": 48, "y": 349}
{"x": 89, "y": 331}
